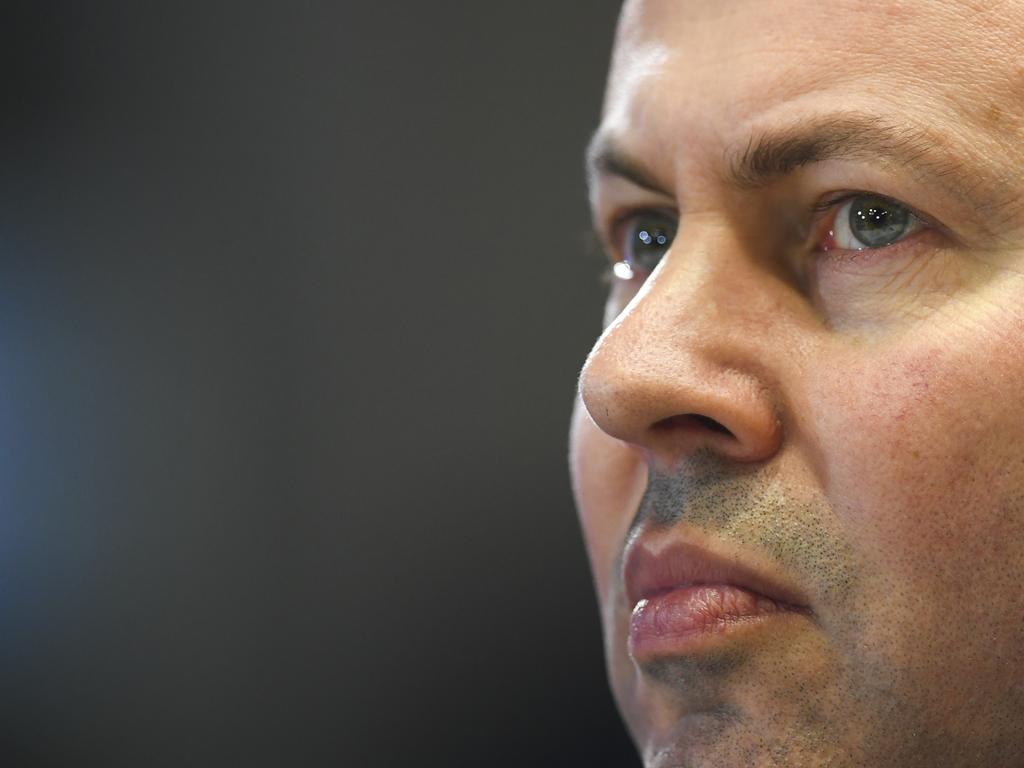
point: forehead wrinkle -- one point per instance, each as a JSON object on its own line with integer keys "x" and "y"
{"x": 957, "y": 98}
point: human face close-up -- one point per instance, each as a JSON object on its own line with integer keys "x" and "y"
{"x": 796, "y": 451}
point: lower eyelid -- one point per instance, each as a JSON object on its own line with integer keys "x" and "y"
{"x": 882, "y": 261}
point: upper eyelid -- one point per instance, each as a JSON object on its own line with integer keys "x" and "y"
{"x": 610, "y": 226}
{"x": 621, "y": 216}
{"x": 825, "y": 203}
{"x": 834, "y": 200}
{"x": 620, "y": 196}
{"x": 831, "y": 203}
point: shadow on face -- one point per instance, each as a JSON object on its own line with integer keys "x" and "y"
{"x": 801, "y": 417}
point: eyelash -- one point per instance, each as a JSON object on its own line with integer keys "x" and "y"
{"x": 615, "y": 232}
{"x": 826, "y": 211}
{"x": 821, "y": 224}
{"x": 836, "y": 200}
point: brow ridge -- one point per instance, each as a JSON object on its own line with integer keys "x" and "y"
{"x": 773, "y": 154}
{"x": 605, "y": 157}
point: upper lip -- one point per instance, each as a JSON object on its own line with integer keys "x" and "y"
{"x": 650, "y": 570}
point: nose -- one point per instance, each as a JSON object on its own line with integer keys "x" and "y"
{"x": 692, "y": 362}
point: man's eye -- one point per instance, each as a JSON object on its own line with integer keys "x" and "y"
{"x": 643, "y": 239}
{"x": 869, "y": 221}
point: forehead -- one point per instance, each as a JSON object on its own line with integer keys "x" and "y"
{"x": 689, "y": 72}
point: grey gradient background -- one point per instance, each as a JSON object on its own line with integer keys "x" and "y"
{"x": 292, "y": 301}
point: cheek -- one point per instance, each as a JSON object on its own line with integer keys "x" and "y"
{"x": 608, "y": 479}
{"x": 920, "y": 461}
{"x": 919, "y": 454}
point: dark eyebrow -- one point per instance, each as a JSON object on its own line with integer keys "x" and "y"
{"x": 774, "y": 154}
{"x": 605, "y": 158}
{"x": 771, "y": 155}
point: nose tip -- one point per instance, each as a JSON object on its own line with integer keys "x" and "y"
{"x": 673, "y": 418}
{"x": 672, "y": 399}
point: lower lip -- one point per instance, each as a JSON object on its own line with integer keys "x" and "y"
{"x": 686, "y": 619}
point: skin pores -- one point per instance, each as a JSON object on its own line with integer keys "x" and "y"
{"x": 848, "y": 422}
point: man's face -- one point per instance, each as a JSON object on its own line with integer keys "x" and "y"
{"x": 797, "y": 452}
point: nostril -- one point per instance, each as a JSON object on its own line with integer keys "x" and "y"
{"x": 689, "y": 421}
{"x": 711, "y": 424}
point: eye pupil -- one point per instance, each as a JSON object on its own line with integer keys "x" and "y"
{"x": 878, "y": 222}
{"x": 647, "y": 238}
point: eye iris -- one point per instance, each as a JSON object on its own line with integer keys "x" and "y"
{"x": 647, "y": 239}
{"x": 877, "y": 222}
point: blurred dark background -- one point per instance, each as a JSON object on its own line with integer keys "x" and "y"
{"x": 292, "y": 301}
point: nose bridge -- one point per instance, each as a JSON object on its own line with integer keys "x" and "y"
{"x": 689, "y": 363}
